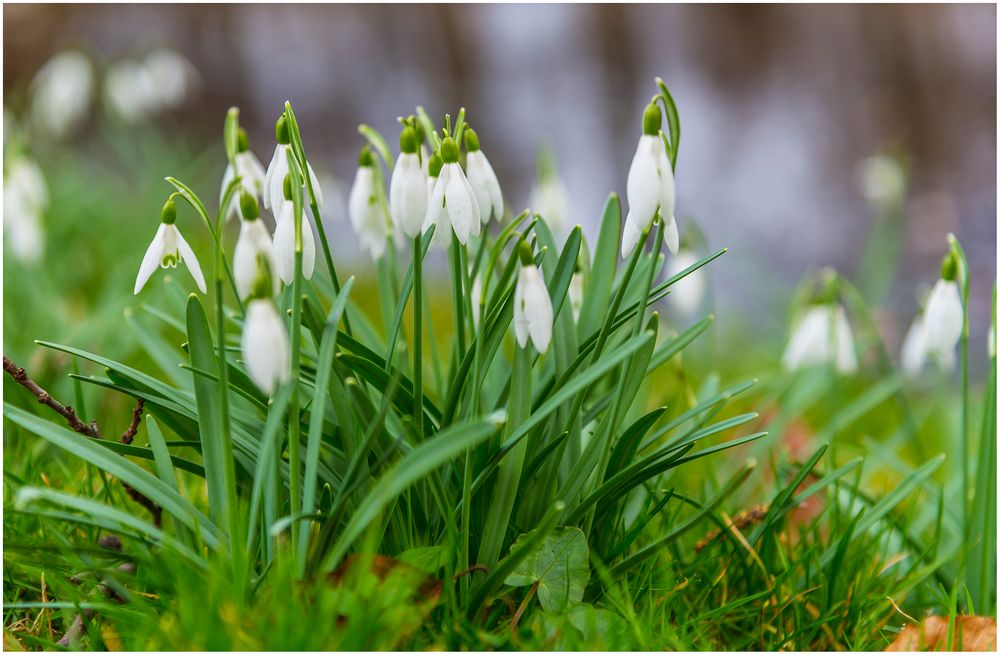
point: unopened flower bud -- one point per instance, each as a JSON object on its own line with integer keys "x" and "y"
{"x": 249, "y": 206}
{"x": 949, "y": 267}
{"x": 281, "y": 133}
{"x": 168, "y": 215}
{"x": 471, "y": 140}
{"x": 449, "y": 151}
{"x": 651, "y": 119}
{"x": 434, "y": 165}
{"x": 408, "y": 141}
{"x": 365, "y": 157}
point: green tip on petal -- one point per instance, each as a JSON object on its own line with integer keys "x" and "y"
{"x": 365, "y": 157}
{"x": 242, "y": 141}
{"x": 281, "y": 131}
{"x": 449, "y": 151}
{"x": 248, "y": 206}
{"x": 287, "y": 187}
{"x": 949, "y": 268}
{"x": 408, "y": 140}
{"x": 651, "y": 119}
{"x": 434, "y": 164}
{"x": 169, "y": 213}
{"x": 471, "y": 140}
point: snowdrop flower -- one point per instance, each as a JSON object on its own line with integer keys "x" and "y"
{"x": 576, "y": 293}
{"x": 25, "y": 197}
{"x": 167, "y": 248}
{"x": 172, "y": 77}
{"x": 284, "y": 239}
{"x": 363, "y": 207}
{"x": 482, "y": 179}
{"x": 60, "y": 92}
{"x": 686, "y": 295}
{"x": 550, "y": 200}
{"x": 453, "y": 204}
{"x": 650, "y": 186}
{"x": 253, "y": 244}
{"x": 821, "y": 336}
{"x": 251, "y": 173}
{"x": 129, "y": 91}
{"x": 274, "y": 178}
{"x": 265, "y": 344}
{"x": 943, "y": 313}
{"x": 532, "y": 305}
{"x": 407, "y": 188}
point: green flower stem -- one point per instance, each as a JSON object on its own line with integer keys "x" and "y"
{"x": 300, "y": 153}
{"x": 294, "y": 425}
{"x": 418, "y": 366}
{"x": 458, "y": 301}
{"x": 963, "y": 346}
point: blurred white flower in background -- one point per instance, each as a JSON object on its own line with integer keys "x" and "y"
{"x": 60, "y": 93}
{"x": 821, "y": 336}
{"x": 881, "y": 179}
{"x": 139, "y": 89}
{"x": 549, "y": 197}
{"x": 25, "y": 198}
{"x": 685, "y": 295}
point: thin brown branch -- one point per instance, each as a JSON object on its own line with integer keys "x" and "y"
{"x": 87, "y": 429}
{"x": 133, "y": 426}
{"x": 67, "y": 412}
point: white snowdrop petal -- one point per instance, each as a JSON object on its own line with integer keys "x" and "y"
{"x": 151, "y": 260}
{"x": 847, "y": 359}
{"x": 685, "y": 295}
{"x": 308, "y": 247}
{"x": 317, "y": 190}
{"x": 631, "y": 233}
{"x": 809, "y": 341}
{"x": 643, "y": 184}
{"x": 538, "y": 307}
{"x": 520, "y": 314}
{"x": 284, "y": 245}
{"x": 913, "y": 352}
{"x": 187, "y": 256}
{"x": 271, "y": 175}
{"x": 943, "y": 317}
{"x": 667, "y": 191}
{"x": 460, "y": 203}
{"x": 265, "y": 345}
{"x": 408, "y": 195}
{"x": 576, "y": 294}
{"x": 475, "y": 221}
{"x": 670, "y": 236}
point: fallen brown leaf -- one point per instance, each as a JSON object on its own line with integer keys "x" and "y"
{"x": 970, "y": 634}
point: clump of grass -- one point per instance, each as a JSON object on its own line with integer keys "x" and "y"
{"x": 396, "y": 490}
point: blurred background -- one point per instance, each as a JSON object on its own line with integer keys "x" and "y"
{"x": 850, "y": 136}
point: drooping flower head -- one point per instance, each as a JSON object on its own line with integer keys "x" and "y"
{"x": 532, "y": 304}
{"x": 274, "y": 178}
{"x": 61, "y": 92}
{"x": 822, "y": 335}
{"x": 650, "y": 186}
{"x": 251, "y": 173}
{"x": 453, "y": 204}
{"x": 253, "y": 243}
{"x": 284, "y": 239}
{"x": 408, "y": 186}
{"x": 264, "y": 344}
{"x": 167, "y": 249}
{"x": 482, "y": 179}
{"x": 363, "y": 208}
{"x": 935, "y": 333}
